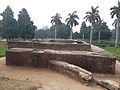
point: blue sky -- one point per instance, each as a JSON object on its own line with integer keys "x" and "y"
{"x": 41, "y": 11}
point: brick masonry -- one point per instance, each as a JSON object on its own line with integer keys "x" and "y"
{"x": 18, "y": 57}
{"x": 87, "y": 60}
{"x": 50, "y": 45}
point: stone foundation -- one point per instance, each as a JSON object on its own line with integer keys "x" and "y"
{"x": 19, "y": 57}
{"x": 90, "y": 61}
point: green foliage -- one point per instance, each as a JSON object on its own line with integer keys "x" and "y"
{"x": 25, "y": 25}
{"x": 9, "y": 25}
{"x": 114, "y": 51}
{"x": 56, "y": 20}
{"x": 115, "y": 11}
{"x": 113, "y": 32}
{"x": 3, "y": 48}
{"x": 0, "y": 28}
{"x": 63, "y": 32}
{"x": 76, "y": 35}
{"x": 43, "y": 33}
{"x": 105, "y": 43}
{"x": 72, "y": 21}
{"x": 93, "y": 15}
{"x": 105, "y": 32}
{"x": 85, "y": 30}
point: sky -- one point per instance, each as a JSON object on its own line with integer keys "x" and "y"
{"x": 41, "y": 11}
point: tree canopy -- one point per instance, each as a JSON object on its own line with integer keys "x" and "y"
{"x": 9, "y": 24}
{"x": 72, "y": 21}
{"x": 25, "y": 25}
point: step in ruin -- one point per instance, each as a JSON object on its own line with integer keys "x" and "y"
{"x": 55, "y": 45}
{"x": 90, "y": 61}
{"x": 39, "y": 53}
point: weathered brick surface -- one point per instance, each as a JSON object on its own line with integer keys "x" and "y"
{"x": 18, "y": 57}
{"x": 93, "y": 63}
{"x": 50, "y": 45}
{"x": 71, "y": 70}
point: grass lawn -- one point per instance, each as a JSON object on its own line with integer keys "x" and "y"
{"x": 114, "y": 51}
{"x": 3, "y": 48}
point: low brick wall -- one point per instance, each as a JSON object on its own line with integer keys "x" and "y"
{"x": 18, "y": 57}
{"x": 87, "y": 60}
{"x": 50, "y": 45}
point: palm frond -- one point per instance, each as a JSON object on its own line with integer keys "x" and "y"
{"x": 74, "y": 12}
{"x": 76, "y": 16}
{"x": 67, "y": 19}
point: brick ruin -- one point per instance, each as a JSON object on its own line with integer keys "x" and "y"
{"x": 39, "y": 53}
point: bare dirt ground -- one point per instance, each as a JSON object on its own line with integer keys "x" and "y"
{"x": 23, "y": 77}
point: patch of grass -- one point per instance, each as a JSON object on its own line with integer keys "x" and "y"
{"x": 114, "y": 51}
{"x": 3, "y": 48}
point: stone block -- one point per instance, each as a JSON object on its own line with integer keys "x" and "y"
{"x": 110, "y": 85}
{"x": 71, "y": 70}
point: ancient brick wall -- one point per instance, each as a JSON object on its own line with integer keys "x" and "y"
{"x": 96, "y": 64}
{"x": 93, "y": 63}
{"x": 55, "y": 46}
{"x": 18, "y": 57}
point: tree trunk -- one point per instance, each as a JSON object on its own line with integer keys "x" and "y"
{"x": 71, "y": 34}
{"x": 117, "y": 33}
{"x": 83, "y": 36}
{"x": 23, "y": 39}
{"x": 99, "y": 35}
{"x": 55, "y": 32}
{"x": 91, "y": 32}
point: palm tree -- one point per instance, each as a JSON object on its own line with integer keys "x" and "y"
{"x": 56, "y": 20}
{"x": 99, "y": 24}
{"x": 93, "y": 17}
{"x": 83, "y": 29}
{"x": 116, "y": 23}
{"x": 71, "y": 21}
{"x": 115, "y": 11}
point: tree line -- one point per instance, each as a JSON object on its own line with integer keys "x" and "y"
{"x": 11, "y": 28}
{"x": 24, "y": 28}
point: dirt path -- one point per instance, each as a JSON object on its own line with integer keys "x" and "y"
{"x": 48, "y": 80}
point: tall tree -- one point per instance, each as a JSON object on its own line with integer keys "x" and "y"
{"x": 116, "y": 23}
{"x": 56, "y": 20}
{"x": 0, "y": 28}
{"x": 83, "y": 29}
{"x": 93, "y": 17}
{"x": 25, "y": 25}
{"x": 9, "y": 24}
{"x": 115, "y": 11}
{"x": 98, "y": 27}
{"x": 72, "y": 21}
